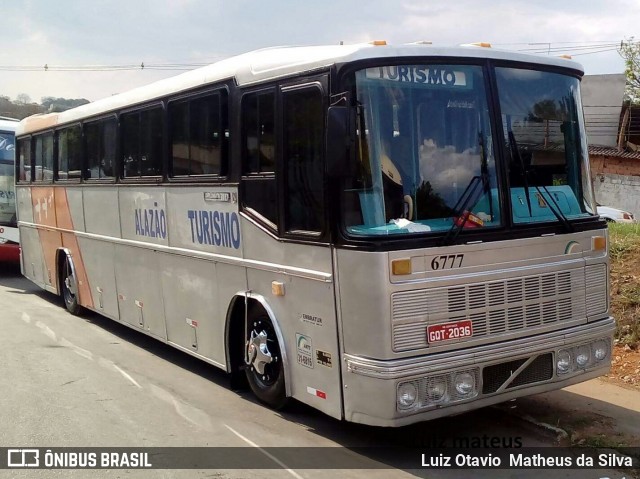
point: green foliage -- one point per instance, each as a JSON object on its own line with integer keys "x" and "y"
{"x": 52, "y": 104}
{"x": 624, "y": 239}
{"x": 17, "y": 109}
{"x": 22, "y": 107}
{"x": 624, "y": 251}
{"x": 630, "y": 51}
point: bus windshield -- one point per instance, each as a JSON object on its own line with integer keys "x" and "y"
{"x": 7, "y": 194}
{"x": 424, "y": 144}
{"x": 425, "y": 151}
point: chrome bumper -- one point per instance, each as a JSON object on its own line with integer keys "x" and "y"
{"x": 368, "y": 378}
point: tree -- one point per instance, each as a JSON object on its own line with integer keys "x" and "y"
{"x": 52, "y": 104}
{"x": 23, "y": 99}
{"x": 630, "y": 51}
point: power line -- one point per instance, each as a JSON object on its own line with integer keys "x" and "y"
{"x": 575, "y": 48}
{"x": 102, "y": 68}
{"x": 569, "y": 48}
{"x": 562, "y": 43}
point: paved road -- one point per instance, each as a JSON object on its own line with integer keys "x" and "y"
{"x": 89, "y": 381}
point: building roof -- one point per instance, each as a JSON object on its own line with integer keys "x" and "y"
{"x": 613, "y": 152}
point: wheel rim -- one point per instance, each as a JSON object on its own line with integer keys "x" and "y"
{"x": 263, "y": 353}
{"x": 69, "y": 283}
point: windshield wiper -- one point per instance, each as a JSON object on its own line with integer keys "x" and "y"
{"x": 484, "y": 171}
{"x": 469, "y": 197}
{"x": 516, "y": 154}
{"x": 555, "y": 209}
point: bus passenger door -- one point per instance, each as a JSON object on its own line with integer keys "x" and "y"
{"x": 298, "y": 283}
{"x": 315, "y": 355}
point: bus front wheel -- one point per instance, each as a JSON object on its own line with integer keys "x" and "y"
{"x": 263, "y": 362}
{"x": 70, "y": 287}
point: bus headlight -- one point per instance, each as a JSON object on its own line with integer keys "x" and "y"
{"x": 439, "y": 390}
{"x": 465, "y": 383}
{"x": 563, "y": 362}
{"x": 600, "y": 350}
{"x": 407, "y": 395}
{"x": 583, "y": 355}
{"x": 436, "y": 388}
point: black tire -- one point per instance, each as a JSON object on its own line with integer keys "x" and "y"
{"x": 69, "y": 285}
{"x": 269, "y": 387}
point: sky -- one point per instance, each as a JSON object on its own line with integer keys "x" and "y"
{"x": 96, "y": 39}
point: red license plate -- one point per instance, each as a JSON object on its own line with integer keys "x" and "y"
{"x": 448, "y": 331}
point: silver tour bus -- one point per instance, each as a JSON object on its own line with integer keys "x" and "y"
{"x": 387, "y": 233}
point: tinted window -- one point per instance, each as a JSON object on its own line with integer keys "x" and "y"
{"x": 180, "y": 156}
{"x": 259, "y": 139}
{"x": 44, "y": 157}
{"x": 23, "y": 165}
{"x": 259, "y": 184}
{"x": 142, "y": 143}
{"x": 69, "y": 153}
{"x": 198, "y": 136}
{"x": 101, "y": 148}
{"x": 302, "y": 150}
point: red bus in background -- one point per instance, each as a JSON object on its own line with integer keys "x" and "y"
{"x": 9, "y": 237}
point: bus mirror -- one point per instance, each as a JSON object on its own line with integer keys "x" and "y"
{"x": 338, "y": 140}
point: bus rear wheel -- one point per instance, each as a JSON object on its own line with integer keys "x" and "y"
{"x": 263, "y": 361}
{"x": 70, "y": 287}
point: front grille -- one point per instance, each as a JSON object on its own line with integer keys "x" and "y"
{"x": 540, "y": 369}
{"x": 495, "y": 307}
{"x": 494, "y": 376}
{"x": 596, "y": 285}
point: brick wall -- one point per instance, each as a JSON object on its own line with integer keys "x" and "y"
{"x": 603, "y": 165}
{"x": 616, "y": 182}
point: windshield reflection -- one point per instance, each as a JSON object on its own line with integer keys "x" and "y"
{"x": 546, "y": 143}
{"x": 423, "y": 136}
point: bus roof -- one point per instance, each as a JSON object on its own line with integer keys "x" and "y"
{"x": 8, "y": 124}
{"x": 271, "y": 63}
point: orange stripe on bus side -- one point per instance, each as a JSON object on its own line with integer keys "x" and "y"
{"x": 51, "y": 209}
{"x": 70, "y": 241}
{"x": 44, "y": 215}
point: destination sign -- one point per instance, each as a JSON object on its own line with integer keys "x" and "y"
{"x": 420, "y": 74}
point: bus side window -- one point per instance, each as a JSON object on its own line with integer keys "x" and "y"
{"x": 142, "y": 143}
{"x": 302, "y": 150}
{"x": 258, "y": 154}
{"x": 23, "y": 166}
{"x": 69, "y": 153}
{"x": 198, "y": 135}
{"x": 44, "y": 157}
{"x": 101, "y": 148}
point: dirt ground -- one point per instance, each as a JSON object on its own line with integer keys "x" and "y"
{"x": 625, "y": 303}
{"x": 589, "y": 428}
{"x": 625, "y": 367}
